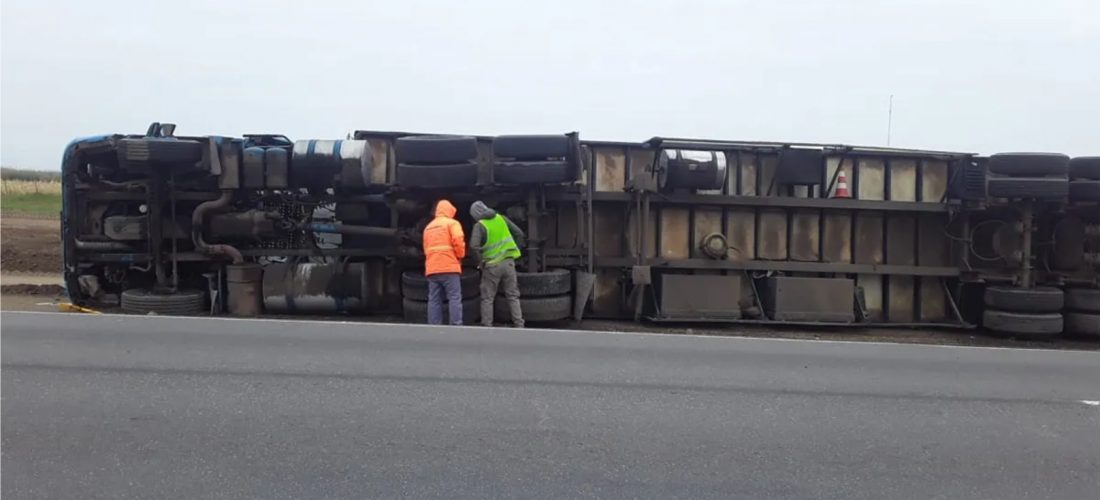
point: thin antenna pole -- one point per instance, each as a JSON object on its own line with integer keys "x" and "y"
{"x": 890, "y": 120}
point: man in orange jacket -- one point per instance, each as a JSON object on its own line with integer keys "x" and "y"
{"x": 444, "y": 248}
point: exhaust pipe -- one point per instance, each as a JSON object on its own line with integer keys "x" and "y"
{"x": 197, "y": 223}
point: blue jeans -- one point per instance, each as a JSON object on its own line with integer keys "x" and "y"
{"x": 438, "y": 284}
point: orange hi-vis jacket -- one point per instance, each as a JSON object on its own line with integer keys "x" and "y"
{"x": 444, "y": 242}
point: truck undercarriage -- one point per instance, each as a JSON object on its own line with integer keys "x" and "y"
{"x": 661, "y": 230}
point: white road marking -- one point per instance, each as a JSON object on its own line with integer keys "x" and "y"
{"x": 1090, "y": 402}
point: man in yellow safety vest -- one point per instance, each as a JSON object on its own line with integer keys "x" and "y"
{"x": 493, "y": 241}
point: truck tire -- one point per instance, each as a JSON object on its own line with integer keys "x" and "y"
{"x": 415, "y": 286}
{"x": 159, "y": 150}
{"x": 531, "y": 172}
{"x": 552, "y": 282}
{"x": 1083, "y": 324}
{"x": 435, "y": 149}
{"x": 1083, "y": 299}
{"x": 535, "y": 308}
{"x": 1037, "y": 188}
{"x": 1085, "y": 167}
{"x": 1028, "y": 164}
{"x": 531, "y": 147}
{"x": 1022, "y": 324}
{"x": 437, "y": 176}
{"x": 415, "y": 311}
{"x": 1042, "y": 299}
{"x": 179, "y": 303}
{"x": 1084, "y": 190}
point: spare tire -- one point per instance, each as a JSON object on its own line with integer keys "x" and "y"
{"x": 437, "y": 176}
{"x": 1022, "y": 324}
{"x": 552, "y": 282}
{"x": 415, "y": 311}
{"x": 435, "y": 149}
{"x": 1083, "y": 324}
{"x": 531, "y": 147}
{"x": 1037, "y": 188}
{"x": 1028, "y": 164}
{"x": 1085, "y": 167}
{"x": 1039, "y": 300}
{"x": 178, "y": 303}
{"x": 1083, "y": 299}
{"x": 1084, "y": 190}
{"x": 532, "y": 172}
{"x": 535, "y": 308}
{"x": 415, "y": 286}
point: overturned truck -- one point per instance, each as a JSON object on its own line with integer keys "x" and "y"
{"x": 668, "y": 229}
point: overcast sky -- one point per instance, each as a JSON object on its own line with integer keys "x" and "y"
{"x": 981, "y": 76}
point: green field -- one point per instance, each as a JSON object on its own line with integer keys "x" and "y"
{"x": 30, "y": 192}
{"x": 31, "y": 203}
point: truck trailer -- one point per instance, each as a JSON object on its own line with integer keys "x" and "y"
{"x": 662, "y": 230}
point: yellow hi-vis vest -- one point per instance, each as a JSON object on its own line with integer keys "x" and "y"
{"x": 499, "y": 244}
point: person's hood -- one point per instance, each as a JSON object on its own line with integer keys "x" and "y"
{"x": 445, "y": 209}
{"x": 481, "y": 211}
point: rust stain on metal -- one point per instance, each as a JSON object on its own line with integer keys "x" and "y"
{"x": 805, "y": 235}
{"x": 868, "y": 244}
{"x": 901, "y": 234}
{"x": 610, "y": 169}
{"x": 773, "y": 235}
{"x": 903, "y": 180}
{"x": 933, "y": 302}
{"x": 872, "y": 179}
{"x": 901, "y": 299}
{"x": 674, "y": 233}
{"x": 934, "y": 180}
{"x": 741, "y": 233}
{"x": 838, "y": 237}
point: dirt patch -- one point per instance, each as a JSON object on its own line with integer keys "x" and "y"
{"x": 30, "y": 244}
{"x": 29, "y": 303}
{"x": 30, "y": 289}
{"x": 16, "y": 278}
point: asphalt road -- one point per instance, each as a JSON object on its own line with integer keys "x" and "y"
{"x": 145, "y": 407}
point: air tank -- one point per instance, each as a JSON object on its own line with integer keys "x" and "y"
{"x": 321, "y": 164}
{"x": 313, "y": 288}
{"x": 686, "y": 169}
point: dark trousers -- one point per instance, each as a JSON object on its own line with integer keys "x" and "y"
{"x": 438, "y": 285}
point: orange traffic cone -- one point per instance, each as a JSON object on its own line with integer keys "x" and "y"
{"x": 841, "y": 190}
